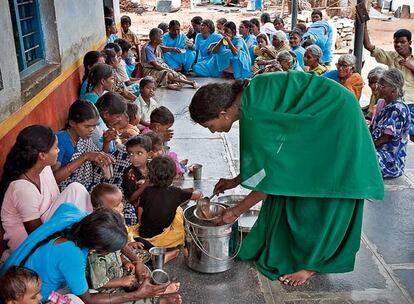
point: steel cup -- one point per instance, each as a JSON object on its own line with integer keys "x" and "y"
{"x": 157, "y": 257}
{"x": 159, "y": 276}
{"x": 197, "y": 169}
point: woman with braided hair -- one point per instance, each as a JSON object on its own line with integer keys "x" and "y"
{"x": 29, "y": 194}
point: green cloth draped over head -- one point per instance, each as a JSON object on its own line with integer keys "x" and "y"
{"x": 304, "y": 135}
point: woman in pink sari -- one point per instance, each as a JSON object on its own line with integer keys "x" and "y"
{"x": 28, "y": 189}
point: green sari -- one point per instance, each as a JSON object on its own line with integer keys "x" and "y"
{"x": 305, "y": 143}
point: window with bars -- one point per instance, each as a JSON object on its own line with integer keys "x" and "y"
{"x": 28, "y": 36}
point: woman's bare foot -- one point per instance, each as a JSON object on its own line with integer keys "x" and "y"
{"x": 171, "y": 299}
{"x": 297, "y": 278}
{"x": 171, "y": 255}
{"x": 172, "y": 288}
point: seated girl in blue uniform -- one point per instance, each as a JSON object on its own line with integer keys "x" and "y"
{"x": 230, "y": 56}
{"x": 178, "y": 50}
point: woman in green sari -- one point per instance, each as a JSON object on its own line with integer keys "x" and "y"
{"x": 305, "y": 150}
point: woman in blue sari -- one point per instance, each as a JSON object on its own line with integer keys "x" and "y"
{"x": 178, "y": 50}
{"x": 205, "y": 39}
{"x": 58, "y": 252}
{"x": 230, "y": 55}
{"x": 245, "y": 31}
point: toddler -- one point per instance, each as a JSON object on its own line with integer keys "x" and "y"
{"x": 161, "y": 122}
{"x": 146, "y": 102}
{"x": 159, "y": 211}
{"x": 20, "y": 285}
{"x": 157, "y": 144}
{"x": 133, "y": 178}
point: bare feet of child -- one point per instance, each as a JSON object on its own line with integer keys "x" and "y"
{"x": 171, "y": 299}
{"x": 170, "y": 255}
{"x": 175, "y": 86}
{"x": 297, "y": 278}
{"x": 194, "y": 84}
{"x": 172, "y": 288}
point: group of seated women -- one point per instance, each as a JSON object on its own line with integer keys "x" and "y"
{"x": 218, "y": 49}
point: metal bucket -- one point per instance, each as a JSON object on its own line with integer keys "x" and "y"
{"x": 211, "y": 248}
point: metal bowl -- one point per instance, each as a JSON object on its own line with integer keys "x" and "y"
{"x": 215, "y": 210}
{"x": 231, "y": 200}
{"x": 247, "y": 220}
{"x": 143, "y": 255}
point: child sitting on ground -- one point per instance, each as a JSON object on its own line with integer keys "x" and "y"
{"x": 157, "y": 145}
{"x": 159, "y": 211}
{"x": 134, "y": 176}
{"x": 112, "y": 272}
{"x": 146, "y": 102}
{"x": 20, "y": 285}
{"x": 127, "y": 125}
{"x": 161, "y": 121}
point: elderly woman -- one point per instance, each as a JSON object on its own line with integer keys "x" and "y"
{"x": 345, "y": 74}
{"x": 285, "y": 61}
{"x": 178, "y": 50}
{"x": 312, "y": 60}
{"x": 373, "y": 77}
{"x": 280, "y": 42}
{"x": 391, "y": 124}
{"x": 28, "y": 190}
{"x": 230, "y": 55}
{"x": 154, "y": 65}
{"x": 206, "y": 39}
{"x": 279, "y": 117}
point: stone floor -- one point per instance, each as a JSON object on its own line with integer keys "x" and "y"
{"x": 384, "y": 271}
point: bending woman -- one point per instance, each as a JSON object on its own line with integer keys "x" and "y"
{"x": 230, "y": 55}
{"x": 28, "y": 190}
{"x": 279, "y": 114}
{"x": 63, "y": 245}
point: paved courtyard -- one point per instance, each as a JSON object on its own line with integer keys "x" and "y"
{"x": 384, "y": 271}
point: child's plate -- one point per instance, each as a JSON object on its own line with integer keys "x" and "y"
{"x": 143, "y": 255}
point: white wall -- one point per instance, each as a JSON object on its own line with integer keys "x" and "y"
{"x": 10, "y": 94}
{"x": 80, "y": 26}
